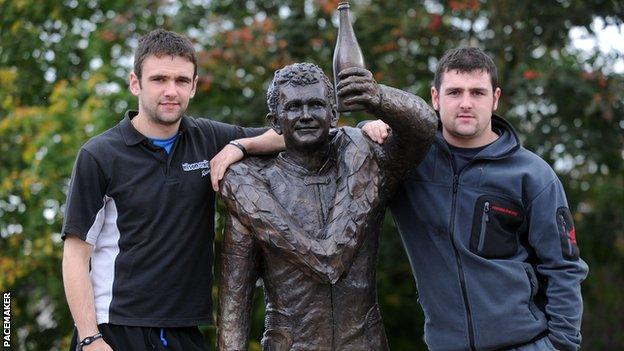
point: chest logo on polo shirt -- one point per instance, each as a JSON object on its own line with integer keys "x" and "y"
{"x": 203, "y": 165}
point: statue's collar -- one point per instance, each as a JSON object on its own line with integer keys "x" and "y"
{"x": 294, "y": 168}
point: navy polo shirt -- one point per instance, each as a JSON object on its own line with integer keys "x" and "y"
{"x": 150, "y": 217}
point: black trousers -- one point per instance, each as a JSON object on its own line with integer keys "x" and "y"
{"x": 124, "y": 338}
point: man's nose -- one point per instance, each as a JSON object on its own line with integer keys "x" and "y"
{"x": 466, "y": 102}
{"x": 170, "y": 89}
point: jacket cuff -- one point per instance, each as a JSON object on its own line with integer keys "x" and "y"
{"x": 562, "y": 347}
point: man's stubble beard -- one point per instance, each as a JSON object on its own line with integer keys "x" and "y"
{"x": 155, "y": 117}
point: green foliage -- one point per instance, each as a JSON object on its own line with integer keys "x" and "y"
{"x": 63, "y": 68}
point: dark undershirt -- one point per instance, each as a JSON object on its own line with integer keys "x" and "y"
{"x": 463, "y": 155}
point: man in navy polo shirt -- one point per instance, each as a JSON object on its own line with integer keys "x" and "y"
{"x": 139, "y": 221}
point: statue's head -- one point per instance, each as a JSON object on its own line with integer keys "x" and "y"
{"x": 301, "y": 105}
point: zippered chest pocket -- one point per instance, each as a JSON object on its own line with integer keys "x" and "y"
{"x": 495, "y": 227}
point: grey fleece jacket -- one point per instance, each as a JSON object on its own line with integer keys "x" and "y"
{"x": 492, "y": 248}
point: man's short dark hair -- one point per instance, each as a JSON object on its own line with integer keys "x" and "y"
{"x": 297, "y": 74}
{"x": 160, "y": 42}
{"x": 466, "y": 60}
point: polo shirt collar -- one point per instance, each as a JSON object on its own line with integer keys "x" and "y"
{"x": 134, "y": 137}
{"x": 130, "y": 134}
{"x": 186, "y": 123}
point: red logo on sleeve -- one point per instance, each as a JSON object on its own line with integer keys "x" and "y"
{"x": 567, "y": 234}
{"x": 572, "y": 235}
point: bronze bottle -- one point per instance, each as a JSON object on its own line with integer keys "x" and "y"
{"x": 347, "y": 52}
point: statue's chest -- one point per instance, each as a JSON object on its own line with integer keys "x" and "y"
{"x": 309, "y": 199}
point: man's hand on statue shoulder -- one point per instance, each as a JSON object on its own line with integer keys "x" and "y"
{"x": 220, "y": 163}
{"x": 357, "y": 86}
{"x": 377, "y": 130}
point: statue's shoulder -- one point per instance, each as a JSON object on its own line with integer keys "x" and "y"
{"x": 248, "y": 170}
{"x": 350, "y": 135}
{"x": 355, "y": 152}
{"x": 354, "y": 137}
{"x": 352, "y": 141}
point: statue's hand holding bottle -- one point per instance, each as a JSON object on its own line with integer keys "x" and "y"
{"x": 358, "y": 87}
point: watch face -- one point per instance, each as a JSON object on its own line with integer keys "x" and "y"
{"x": 89, "y": 339}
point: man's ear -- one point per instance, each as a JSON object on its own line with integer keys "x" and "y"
{"x": 194, "y": 89}
{"x": 497, "y": 94}
{"x": 134, "y": 84}
{"x": 274, "y": 123}
{"x": 435, "y": 99}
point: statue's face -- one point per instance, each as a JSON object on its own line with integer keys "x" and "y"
{"x": 305, "y": 116}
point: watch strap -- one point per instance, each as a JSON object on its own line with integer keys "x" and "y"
{"x": 89, "y": 339}
{"x": 240, "y": 146}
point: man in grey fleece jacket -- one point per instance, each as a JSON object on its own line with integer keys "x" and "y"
{"x": 486, "y": 225}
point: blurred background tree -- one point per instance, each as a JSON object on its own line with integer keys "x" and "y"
{"x": 63, "y": 77}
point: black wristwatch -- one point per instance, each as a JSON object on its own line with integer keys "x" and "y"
{"x": 239, "y": 146}
{"x": 89, "y": 339}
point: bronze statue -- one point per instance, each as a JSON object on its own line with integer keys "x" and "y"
{"x": 307, "y": 221}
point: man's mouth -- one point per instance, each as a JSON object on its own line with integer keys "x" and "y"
{"x": 465, "y": 118}
{"x": 306, "y": 129}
